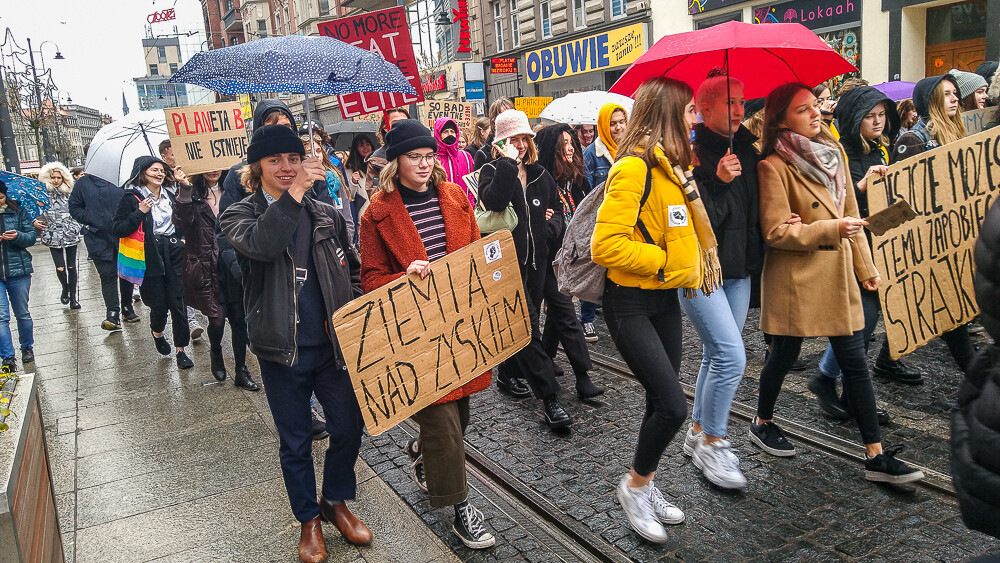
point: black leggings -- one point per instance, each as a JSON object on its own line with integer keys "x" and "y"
{"x": 238, "y": 323}
{"x": 65, "y": 261}
{"x": 858, "y": 391}
{"x": 563, "y": 325}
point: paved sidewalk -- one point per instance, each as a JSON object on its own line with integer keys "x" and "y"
{"x": 149, "y": 463}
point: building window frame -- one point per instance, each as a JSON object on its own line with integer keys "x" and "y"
{"x": 545, "y": 17}
{"x": 498, "y": 24}
{"x": 515, "y": 25}
{"x": 619, "y": 8}
{"x": 579, "y": 14}
{"x": 154, "y": 70}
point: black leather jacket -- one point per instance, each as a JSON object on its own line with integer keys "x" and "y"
{"x": 261, "y": 235}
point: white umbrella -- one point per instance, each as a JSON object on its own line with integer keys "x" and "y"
{"x": 581, "y": 108}
{"x": 116, "y": 146}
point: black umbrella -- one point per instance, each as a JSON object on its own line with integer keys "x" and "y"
{"x": 342, "y": 133}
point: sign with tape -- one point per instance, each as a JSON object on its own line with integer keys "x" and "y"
{"x": 614, "y": 48}
{"x": 207, "y": 137}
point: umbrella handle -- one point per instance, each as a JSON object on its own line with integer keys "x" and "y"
{"x": 309, "y": 121}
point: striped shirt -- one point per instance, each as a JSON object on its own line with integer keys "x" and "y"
{"x": 425, "y": 211}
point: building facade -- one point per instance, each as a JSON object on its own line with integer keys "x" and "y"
{"x": 88, "y": 120}
{"x": 163, "y": 59}
{"x": 223, "y": 22}
{"x": 936, "y": 35}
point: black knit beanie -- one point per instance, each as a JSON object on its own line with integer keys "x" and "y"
{"x": 406, "y": 135}
{"x": 273, "y": 139}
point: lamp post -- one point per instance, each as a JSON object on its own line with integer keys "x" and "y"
{"x": 45, "y": 154}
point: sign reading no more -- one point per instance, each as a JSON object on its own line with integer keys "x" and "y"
{"x": 413, "y": 341}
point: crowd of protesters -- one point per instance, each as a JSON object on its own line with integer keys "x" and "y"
{"x": 707, "y": 205}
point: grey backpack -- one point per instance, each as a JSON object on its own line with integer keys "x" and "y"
{"x": 576, "y": 272}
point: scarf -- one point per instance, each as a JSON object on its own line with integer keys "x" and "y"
{"x": 711, "y": 268}
{"x": 817, "y": 161}
{"x": 604, "y": 131}
{"x": 568, "y": 204}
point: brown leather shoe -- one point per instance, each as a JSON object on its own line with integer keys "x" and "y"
{"x": 353, "y": 530}
{"x": 312, "y": 548}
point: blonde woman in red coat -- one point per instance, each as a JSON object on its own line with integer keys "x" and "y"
{"x": 415, "y": 218}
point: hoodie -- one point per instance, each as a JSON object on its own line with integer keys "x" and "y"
{"x": 600, "y": 155}
{"x": 850, "y": 112}
{"x": 456, "y": 162}
{"x": 918, "y": 139}
{"x": 569, "y": 195}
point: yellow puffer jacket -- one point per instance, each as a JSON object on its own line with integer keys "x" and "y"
{"x": 618, "y": 245}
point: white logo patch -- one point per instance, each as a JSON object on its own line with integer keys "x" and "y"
{"x": 497, "y": 275}
{"x": 536, "y": 202}
{"x": 492, "y": 251}
{"x": 678, "y": 215}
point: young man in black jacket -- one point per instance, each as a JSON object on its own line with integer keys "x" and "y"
{"x": 298, "y": 268}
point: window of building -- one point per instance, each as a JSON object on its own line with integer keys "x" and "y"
{"x": 234, "y": 40}
{"x": 277, "y": 21}
{"x": 579, "y": 15}
{"x": 498, "y": 25}
{"x": 154, "y": 70}
{"x": 546, "y": 14}
{"x": 173, "y": 68}
{"x": 324, "y": 7}
{"x": 229, "y": 6}
{"x": 161, "y": 52}
{"x": 515, "y": 26}
{"x": 956, "y": 22}
{"x": 261, "y": 28}
{"x": 288, "y": 22}
{"x": 617, "y": 8}
{"x": 716, "y": 20}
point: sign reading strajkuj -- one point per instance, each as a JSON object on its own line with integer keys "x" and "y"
{"x": 413, "y": 341}
{"x": 207, "y": 137}
{"x": 926, "y": 264}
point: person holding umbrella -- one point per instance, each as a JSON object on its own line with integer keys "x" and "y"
{"x": 18, "y": 235}
{"x": 818, "y": 254}
{"x": 59, "y": 231}
{"x": 154, "y": 251}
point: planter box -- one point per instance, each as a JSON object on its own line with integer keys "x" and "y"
{"x": 29, "y": 526}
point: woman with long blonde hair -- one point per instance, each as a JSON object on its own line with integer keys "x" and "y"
{"x": 59, "y": 231}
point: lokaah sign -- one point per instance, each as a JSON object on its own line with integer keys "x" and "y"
{"x": 207, "y": 137}
{"x": 926, "y": 264}
{"x": 413, "y": 341}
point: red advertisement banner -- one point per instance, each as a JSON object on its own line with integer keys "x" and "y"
{"x": 387, "y": 34}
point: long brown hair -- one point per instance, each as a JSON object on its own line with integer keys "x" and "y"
{"x": 942, "y": 128}
{"x": 775, "y": 110}
{"x": 568, "y": 171}
{"x": 658, "y": 119}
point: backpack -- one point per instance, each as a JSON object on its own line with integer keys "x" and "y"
{"x": 575, "y": 270}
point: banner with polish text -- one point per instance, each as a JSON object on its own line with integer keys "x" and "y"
{"x": 207, "y": 137}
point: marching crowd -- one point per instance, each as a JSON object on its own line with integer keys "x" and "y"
{"x": 696, "y": 202}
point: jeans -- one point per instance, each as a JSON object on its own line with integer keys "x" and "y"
{"x": 588, "y": 311}
{"x": 442, "y": 443}
{"x": 645, "y": 325}
{"x": 288, "y": 389}
{"x": 858, "y": 390}
{"x": 14, "y": 295}
{"x": 718, "y": 319}
{"x": 870, "y": 305}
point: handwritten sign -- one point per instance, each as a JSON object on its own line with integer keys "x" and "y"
{"x": 926, "y": 264}
{"x": 461, "y": 112}
{"x": 413, "y": 341}
{"x": 387, "y": 34}
{"x": 976, "y": 120}
{"x": 207, "y": 137}
{"x": 532, "y": 106}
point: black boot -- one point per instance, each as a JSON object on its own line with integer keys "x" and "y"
{"x": 64, "y": 297}
{"x": 128, "y": 313}
{"x": 825, "y": 389}
{"x": 513, "y": 386}
{"x": 586, "y": 388}
{"x": 555, "y": 415}
{"x": 244, "y": 380}
{"x": 112, "y": 322}
{"x": 218, "y": 364}
{"x": 894, "y": 370}
{"x": 72, "y": 282}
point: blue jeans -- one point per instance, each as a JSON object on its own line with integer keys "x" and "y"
{"x": 870, "y": 305}
{"x": 588, "y": 311}
{"x": 14, "y": 295}
{"x": 718, "y": 319}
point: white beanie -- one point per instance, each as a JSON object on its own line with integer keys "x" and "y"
{"x": 510, "y": 123}
{"x": 967, "y": 82}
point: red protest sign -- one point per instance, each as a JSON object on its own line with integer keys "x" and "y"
{"x": 387, "y": 34}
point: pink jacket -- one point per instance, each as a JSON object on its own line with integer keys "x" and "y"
{"x": 456, "y": 162}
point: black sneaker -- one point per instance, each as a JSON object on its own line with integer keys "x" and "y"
{"x": 770, "y": 438}
{"x": 318, "y": 428}
{"x": 885, "y": 468}
{"x": 895, "y": 370}
{"x": 417, "y": 464}
{"x": 555, "y": 415}
{"x": 513, "y": 386}
{"x": 128, "y": 314}
{"x": 162, "y": 346}
{"x": 112, "y": 322}
{"x": 469, "y": 528}
{"x": 27, "y": 356}
{"x": 799, "y": 365}
{"x": 881, "y": 414}
{"x": 589, "y": 332}
{"x": 183, "y": 361}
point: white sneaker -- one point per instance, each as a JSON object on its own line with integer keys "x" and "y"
{"x": 194, "y": 325}
{"x": 665, "y": 511}
{"x": 719, "y": 464}
{"x": 639, "y": 511}
{"x": 691, "y": 441}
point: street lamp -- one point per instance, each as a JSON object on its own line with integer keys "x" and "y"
{"x": 46, "y": 155}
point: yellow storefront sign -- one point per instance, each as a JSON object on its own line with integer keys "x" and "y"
{"x": 531, "y": 106}
{"x": 606, "y": 50}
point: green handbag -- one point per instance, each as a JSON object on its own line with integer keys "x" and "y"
{"x": 490, "y": 221}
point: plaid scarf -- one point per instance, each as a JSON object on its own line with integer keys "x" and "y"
{"x": 817, "y": 161}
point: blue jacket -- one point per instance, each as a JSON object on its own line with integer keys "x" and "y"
{"x": 595, "y": 168}
{"x": 15, "y": 260}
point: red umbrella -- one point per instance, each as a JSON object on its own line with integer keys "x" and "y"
{"x": 762, "y": 56}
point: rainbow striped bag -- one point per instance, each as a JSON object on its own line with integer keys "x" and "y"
{"x": 132, "y": 256}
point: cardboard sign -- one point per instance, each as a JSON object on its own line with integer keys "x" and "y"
{"x": 926, "y": 264}
{"x": 461, "y": 112}
{"x": 890, "y": 217}
{"x": 532, "y": 106}
{"x": 387, "y": 34}
{"x": 207, "y": 137}
{"x": 413, "y": 341}
{"x": 976, "y": 120}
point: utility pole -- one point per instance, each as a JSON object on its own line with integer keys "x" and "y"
{"x": 11, "y": 160}
{"x": 46, "y": 155}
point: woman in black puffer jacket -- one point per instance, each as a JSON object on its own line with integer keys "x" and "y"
{"x": 975, "y": 424}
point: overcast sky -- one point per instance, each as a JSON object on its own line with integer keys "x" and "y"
{"x": 101, "y": 40}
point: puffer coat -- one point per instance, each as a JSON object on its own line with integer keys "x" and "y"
{"x": 15, "y": 260}
{"x": 201, "y": 252}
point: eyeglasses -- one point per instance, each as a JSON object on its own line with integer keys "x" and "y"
{"x": 415, "y": 158}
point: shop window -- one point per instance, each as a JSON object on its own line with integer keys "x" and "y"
{"x": 546, "y": 18}
{"x": 617, "y": 8}
{"x": 957, "y": 22}
{"x": 579, "y": 15}
{"x": 515, "y": 26}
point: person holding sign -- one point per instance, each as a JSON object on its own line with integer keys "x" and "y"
{"x": 809, "y": 286}
{"x": 145, "y": 218}
{"x": 416, "y": 217}
{"x": 515, "y": 178}
{"x": 937, "y": 102}
{"x": 299, "y": 267}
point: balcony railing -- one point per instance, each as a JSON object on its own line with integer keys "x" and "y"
{"x": 231, "y": 20}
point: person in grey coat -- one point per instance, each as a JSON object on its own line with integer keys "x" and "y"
{"x": 60, "y": 232}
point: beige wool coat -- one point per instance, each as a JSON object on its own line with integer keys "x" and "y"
{"x": 809, "y": 285}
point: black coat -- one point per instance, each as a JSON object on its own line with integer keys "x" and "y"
{"x": 201, "y": 252}
{"x": 261, "y": 235}
{"x": 851, "y": 111}
{"x": 499, "y": 186}
{"x": 733, "y": 208}
{"x": 484, "y": 154}
{"x": 93, "y": 203}
{"x": 127, "y": 220}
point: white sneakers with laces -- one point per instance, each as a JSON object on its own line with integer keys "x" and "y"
{"x": 719, "y": 464}
{"x": 647, "y": 510}
{"x": 691, "y": 441}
